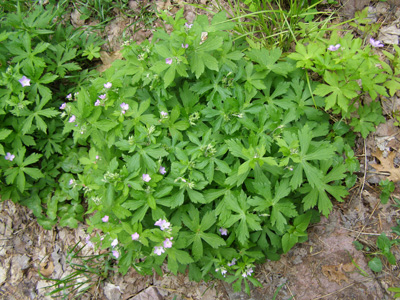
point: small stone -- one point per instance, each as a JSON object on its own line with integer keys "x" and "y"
{"x": 150, "y": 293}
{"x": 112, "y": 292}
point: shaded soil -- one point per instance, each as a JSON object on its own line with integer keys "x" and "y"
{"x": 327, "y": 266}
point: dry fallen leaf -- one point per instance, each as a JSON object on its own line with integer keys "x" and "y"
{"x": 46, "y": 269}
{"x": 334, "y": 273}
{"x": 387, "y": 165}
{"x": 108, "y": 59}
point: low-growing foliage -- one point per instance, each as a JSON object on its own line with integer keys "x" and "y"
{"x": 40, "y": 60}
{"x": 222, "y": 149}
{"x": 195, "y": 149}
{"x": 350, "y": 72}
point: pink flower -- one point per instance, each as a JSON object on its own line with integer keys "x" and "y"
{"x": 375, "y": 43}
{"x": 88, "y": 242}
{"x": 162, "y": 170}
{"x": 114, "y": 243}
{"x": 102, "y": 97}
{"x": 69, "y": 96}
{"x": 334, "y": 47}
{"x": 97, "y": 103}
{"x": 168, "y": 61}
{"x": 146, "y": 177}
{"x": 71, "y": 182}
{"x": 97, "y": 157}
{"x": 185, "y": 46}
{"x": 25, "y": 81}
{"x": 159, "y": 250}
{"x": 223, "y": 231}
{"x": 168, "y": 243}
{"x": 105, "y": 219}
{"x": 115, "y": 253}
{"x": 188, "y": 26}
{"x": 135, "y": 236}
{"x": 63, "y": 106}
{"x": 163, "y": 114}
{"x": 163, "y": 224}
{"x": 72, "y": 119}
{"x": 9, "y": 156}
{"x": 124, "y": 106}
{"x": 232, "y": 263}
{"x": 108, "y": 85}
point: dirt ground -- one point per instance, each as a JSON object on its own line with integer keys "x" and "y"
{"x": 327, "y": 266}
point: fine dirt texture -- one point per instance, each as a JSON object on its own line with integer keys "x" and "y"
{"x": 327, "y": 266}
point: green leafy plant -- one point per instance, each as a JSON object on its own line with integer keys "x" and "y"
{"x": 348, "y": 71}
{"x": 384, "y": 245}
{"x": 39, "y": 58}
{"x": 194, "y": 152}
{"x": 395, "y": 290}
{"x": 387, "y": 187}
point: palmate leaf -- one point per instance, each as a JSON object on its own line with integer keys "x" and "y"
{"x": 247, "y": 220}
{"x": 310, "y": 151}
{"x": 197, "y": 234}
{"x": 318, "y": 195}
{"x": 340, "y": 92}
{"x": 277, "y": 205}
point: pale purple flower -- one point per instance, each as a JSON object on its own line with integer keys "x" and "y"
{"x": 97, "y": 157}
{"x": 168, "y": 243}
{"x": 9, "y": 156}
{"x": 375, "y": 43}
{"x": 71, "y": 182}
{"x": 232, "y": 263}
{"x": 105, "y": 219}
{"x": 223, "y": 272}
{"x": 25, "y": 81}
{"x": 114, "y": 243}
{"x": 249, "y": 271}
{"x": 168, "y": 61}
{"x": 185, "y": 46}
{"x": 244, "y": 275}
{"x": 223, "y": 231}
{"x": 135, "y": 236}
{"x": 102, "y": 97}
{"x": 108, "y": 85}
{"x": 163, "y": 114}
{"x": 72, "y": 119}
{"x": 63, "y": 106}
{"x": 188, "y": 26}
{"x": 146, "y": 177}
{"x": 69, "y": 96}
{"x": 159, "y": 250}
{"x": 115, "y": 253}
{"x": 162, "y": 170}
{"x": 163, "y": 224}
{"x": 124, "y": 106}
{"x": 334, "y": 47}
{"x": 88, "y": 242}
{"x": 97, "y": 103}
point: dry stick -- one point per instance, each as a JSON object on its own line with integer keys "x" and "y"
{"x": 366, "y": 233}
{"x": 362, "y": 229}
{"x": 330, "y": 294}
{"x": 365, "y": 169}
{"x": 293, "y": 297}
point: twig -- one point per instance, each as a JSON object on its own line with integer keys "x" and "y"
{"x": 359, "y": 232}
{"x": 365, "y": 169}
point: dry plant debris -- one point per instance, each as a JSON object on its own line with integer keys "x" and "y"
{"x": 387, "y": 165}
